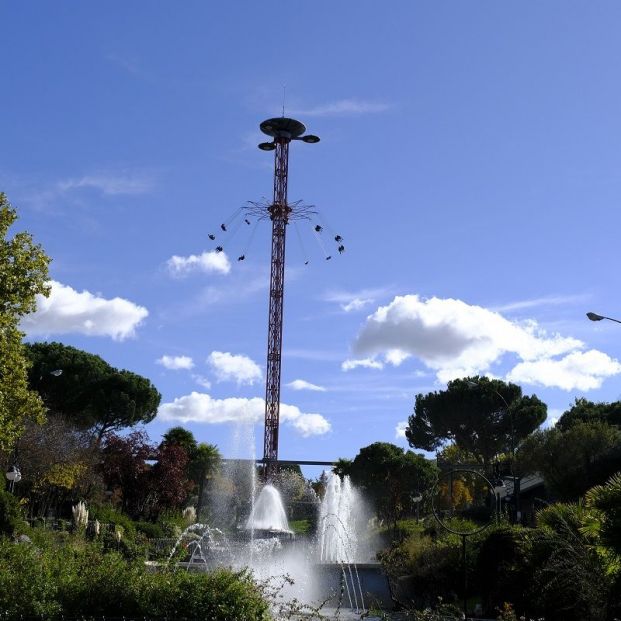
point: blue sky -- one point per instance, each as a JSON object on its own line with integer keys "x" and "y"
{"x": 469, "y": 158}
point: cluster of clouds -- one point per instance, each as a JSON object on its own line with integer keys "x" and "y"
{"x": 227, "y": 367}
{"x": 200, "y": 407}
{"x": 456, "y": 339}
{"x": 224, "y": 365}
{"x": 82, "y": 312}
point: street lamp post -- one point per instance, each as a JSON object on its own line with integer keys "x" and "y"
{"x": 14, "y": 476}
{"x": 500, "y": 492}
{"x": 516, "y": 491}
{"x": 416, "y": 499}
{"x": 464, "y": 534}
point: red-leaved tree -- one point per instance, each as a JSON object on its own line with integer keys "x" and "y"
{"x": 144, "y": 479}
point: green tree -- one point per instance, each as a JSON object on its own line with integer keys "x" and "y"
{"x": 342, "y": 467}
{"x": 570, "y": 462}
{"x": 203, "y": 459}
{"x": 390, "y": 477}
{"x": 23, "y": 275}
{"x": 584, "y": 411}
{"x": 482, "y": 417}
{"x": 88, "y": 391}
{"x": 182, "y": 437}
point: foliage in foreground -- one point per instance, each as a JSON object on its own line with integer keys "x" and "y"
{"x": 557, "y": 571}
{"x": 74, "y": 580}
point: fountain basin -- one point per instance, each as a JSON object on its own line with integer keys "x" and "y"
{"x": 368, "y": 578}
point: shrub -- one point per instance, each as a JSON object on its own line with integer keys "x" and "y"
{"x": 503, "y": 573}
{"x": 109, "y": 515}
{"x": 221, "y": 595}
{"x": 27, "y": 585}
{"x": 92, "y": 583}
{"x": 81, "y": 580}
{"x": 569, "y": 581}
{"x": 11, "y": 517}
{"x": 150, "y": 530}
{"x": 300, "y": 527}
{"x": 606, "y": 499}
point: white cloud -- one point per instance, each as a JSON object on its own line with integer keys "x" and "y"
{"x": 452, "y": 337}
{"x": 400, "y": 430}
{"x": 68, "y": 311}
{"x": 578, "y": 370}
{"x": 111, "y": 184}
{"x": 367, "y": 363}
{"x": 356, "y": 304}
{"x": 300, "y": 384}
{"x": 207, "y": 262}
{"x": 202, "y": 381}
{"x": 353, "y": 301}
{"x": 311, "y": 425}
{"x": 396, "y": 356}
{"x": 202, "y": 408}
{"x": 344, "y": 107}
{"x": 456, "y": 339}
{"x": 549, "y": 300}
{"x": 231, "y": 367}
{"x": 175, "y": 363}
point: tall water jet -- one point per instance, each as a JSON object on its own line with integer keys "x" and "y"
{"x": 268, "y": 512}
{"x": 338, "y": 539}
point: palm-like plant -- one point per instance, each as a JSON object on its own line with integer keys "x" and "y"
{"x": 606, "y": 499}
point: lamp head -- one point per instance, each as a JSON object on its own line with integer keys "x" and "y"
{"x": 13, "y": 474}
{"x": 500, "y": 489}
{"x": 310, "y": 138}
{"x": 595, "y": 316}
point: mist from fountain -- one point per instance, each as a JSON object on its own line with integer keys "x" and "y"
{"x": 338, "y": 536}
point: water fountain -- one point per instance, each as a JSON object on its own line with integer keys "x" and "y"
{"x": 331, "y": 567}
{"x": 268, "y": 514}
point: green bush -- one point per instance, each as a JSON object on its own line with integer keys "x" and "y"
{"x": 221, "y": 595}
{"x": 80, "y": 579}
{"x": 300, "y": 527}
{"x": 171, "y": 523}
{"x": 92, "y": 583}
{"x": 109, "y": 515}
{"x": 405, "y": 528}
{"x": 150, "y": 530}
{"x": 569, "y": 580}
{"x": 503, "y": 573}
{"x": 11, "y": 518}
{"x": 27, "y": 585}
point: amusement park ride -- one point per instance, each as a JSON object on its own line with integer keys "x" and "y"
{"x": 281, "y": 212}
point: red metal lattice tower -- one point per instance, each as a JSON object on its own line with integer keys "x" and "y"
{"x": 283, "y": 131}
